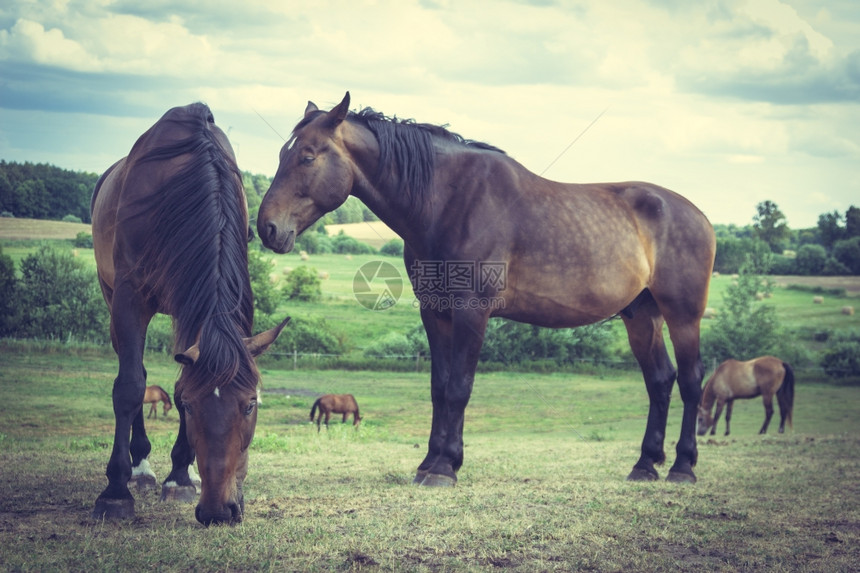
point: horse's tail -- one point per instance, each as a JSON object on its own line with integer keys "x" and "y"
{"x": 314, "y": 408}
{"x": 785, "y": 394}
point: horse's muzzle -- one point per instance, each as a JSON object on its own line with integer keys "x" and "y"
{"x": 276, "y": 239}
{"x": 230, "y": 514}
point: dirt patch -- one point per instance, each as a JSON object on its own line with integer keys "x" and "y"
{"x": 850, "y": 284}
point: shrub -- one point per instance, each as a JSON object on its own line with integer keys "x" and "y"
{"x": 847, "y": 252}
{"x": 305, "y": 335}
{"x": 59, "y": 297}
{"x": 83, "y": 240}
{"x": 842, "y": 358}
{"x": 390, "y": 345}
{"x": 72, "y": 219}
{"x": 393, "y": 248}
{"x": 510, "y": 342}
{"x": 8, "y": 295}
{"x": 266, "y": 296}
{"x": 344, "y": 244}
{"x": 303, "y": 284}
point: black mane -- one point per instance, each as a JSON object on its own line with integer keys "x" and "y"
{"x": 197, "y": 257}
{"x": 406, "y": 150}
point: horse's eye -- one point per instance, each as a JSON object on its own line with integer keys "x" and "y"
{"x": 250, "y": 409}
{"x": 187, "y": 407}
{"x": 307, "y": 160}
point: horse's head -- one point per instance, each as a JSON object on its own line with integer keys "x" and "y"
{"x": 315, "y": 176}
{"x": 704, "y": 421}
{"x": 219, "y": 426}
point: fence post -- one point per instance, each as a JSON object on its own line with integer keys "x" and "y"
{"x": 295, "y": 358}
{"x": 417, "y": 361}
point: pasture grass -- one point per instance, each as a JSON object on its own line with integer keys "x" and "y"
{"x": 542, "y": 488}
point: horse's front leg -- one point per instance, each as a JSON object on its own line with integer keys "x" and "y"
{"x": 182, "y": 484}
{"x": 717, "y": 413}
{"x": 128, "y": 332}
{"x": 729, "y": 405}
{"x": 438, "y": 330}
{"x": 467, "y": 336}
{"x": 142, "y": 475}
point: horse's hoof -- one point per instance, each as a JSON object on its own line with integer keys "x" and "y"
{"x": 638, "y": 474}
{"x": 180, "y": 493}
{"x": 419, "y": 477}
{"x": 143, "y": 481}
{"x": 438, "y": 480}
{"x": 681, "y": 477}
{"x": 107, "y": 508}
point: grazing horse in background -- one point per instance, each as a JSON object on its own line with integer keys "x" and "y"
{"x": 153, "y": 395}
{"x": 170, "y": 233}
{"x": 765, "y": 376}
{"x": 486, "y": 237}
{"x": 336, "y": 404}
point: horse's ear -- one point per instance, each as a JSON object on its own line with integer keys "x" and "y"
{"x": 189, "y": 357}
{"x": 258, "y": 344}
{"x": 312, "y": 107}
{"x": 338, "y": 113}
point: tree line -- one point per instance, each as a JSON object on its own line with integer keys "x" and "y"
{"x": 832, "y": 247}
{"x": 43, "y": 191}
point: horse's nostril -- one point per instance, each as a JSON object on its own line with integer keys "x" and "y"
{"x": 271, "y": 232}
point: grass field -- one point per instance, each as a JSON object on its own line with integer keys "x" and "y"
{"x": 542, "y": 488}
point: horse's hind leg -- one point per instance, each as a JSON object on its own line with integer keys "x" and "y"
{"x": 768, "y": 412}
{"x": 645, "y": 333}
{"x": 729, "y": 406}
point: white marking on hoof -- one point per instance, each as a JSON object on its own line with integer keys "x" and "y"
{"x": 195, "y": 477}
{"x": 143, "y": 469}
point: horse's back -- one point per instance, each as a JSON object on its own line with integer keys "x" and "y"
{"x": 747, "y": 379}
{"x": 126, "y": 195}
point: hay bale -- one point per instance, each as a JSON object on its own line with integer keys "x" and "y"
{"x": 848, "y": 310}
{"x": 323, "y": 275}
{"x": 759, "y": 296}
{"x": 817, "y": 299}
{"x": 710, "y": 313}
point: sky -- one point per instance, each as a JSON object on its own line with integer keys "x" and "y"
{"x": 728, "y": 102}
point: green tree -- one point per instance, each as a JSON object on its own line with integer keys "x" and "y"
{"x": 769, "y": 225}
{"x": 810, "y": 260}
{"x": 830, "y": 228}
{"x": 852, "y": 222}
{"x": 746, "y": 327}
{"x": 847, "y": 252}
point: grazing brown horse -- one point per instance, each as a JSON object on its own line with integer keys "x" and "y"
{"x": 486, "y": 237}
{"x": 153, "y": 395}
{"x": 765, "y": 376}
{"x": 170, "y": 232}
{"x": 336, "y": 404}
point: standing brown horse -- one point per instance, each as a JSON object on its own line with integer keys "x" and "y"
{"x": 153, "y": 395}
{"x": 486, "y": 237}
{"x": 336, "y": 404}
{"x": 170, "y": 232}
{"x": 765, "y": 376}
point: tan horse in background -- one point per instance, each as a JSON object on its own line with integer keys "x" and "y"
{"x": 336, "y": 404}
{"x": 153, "y": 395}
{"x": 766, "y": 376}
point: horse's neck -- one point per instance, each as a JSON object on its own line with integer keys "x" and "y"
{"x": 708, "y": 396}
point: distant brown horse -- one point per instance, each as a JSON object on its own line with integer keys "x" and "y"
{"x": 170, "y": 234}
{"x": 153, "y": 395}
{"x": 765, "y": 376}
{"x": 336, "y": 404}
{"x": 486, "y": 237}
